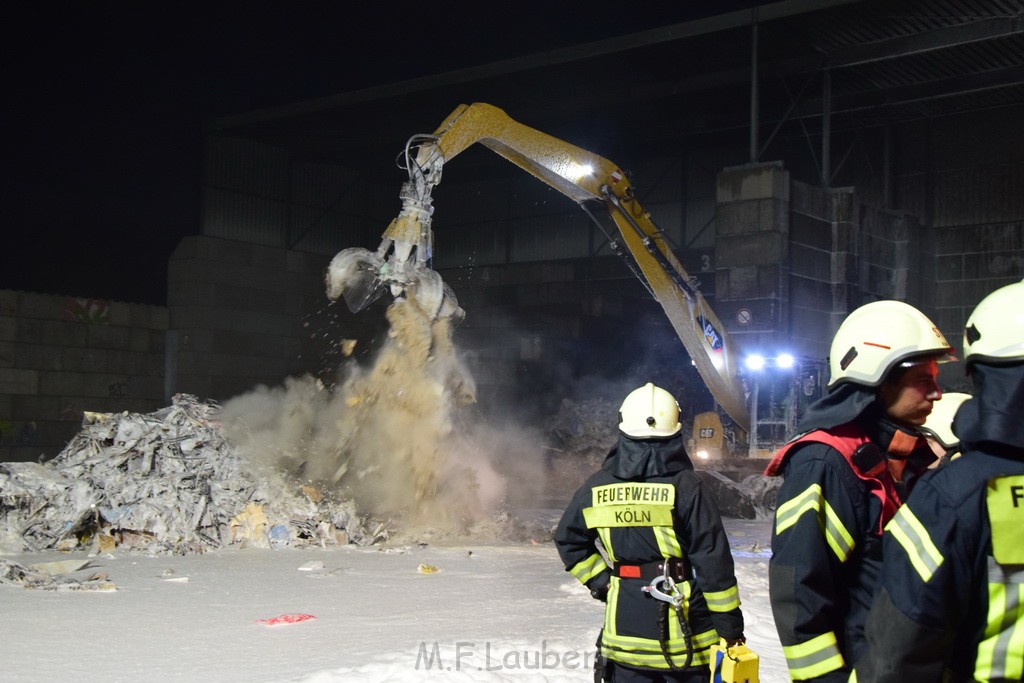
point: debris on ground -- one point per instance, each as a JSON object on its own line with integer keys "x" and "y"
{"x": 732, "y": 500}
{"x": 166, "y": 482}
{"x": 762, "y": 490}
{"x": 53, "y": 576}
{"x": 285, "y": 619}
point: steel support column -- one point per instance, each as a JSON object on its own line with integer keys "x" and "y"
{"x": 754, "y": 114}
{"x": 826, "y": 127}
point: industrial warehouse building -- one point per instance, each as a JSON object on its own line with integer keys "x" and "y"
{"x": 801, "y": 157}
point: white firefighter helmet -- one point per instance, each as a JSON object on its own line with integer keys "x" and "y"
{"x": 939, "y": 424}
{"x": 649, "y": 412}
{"x": 876, "y": 337}
{"x": 995, "y": 331}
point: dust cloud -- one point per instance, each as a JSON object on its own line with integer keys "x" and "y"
{"x": 396, "y": 436}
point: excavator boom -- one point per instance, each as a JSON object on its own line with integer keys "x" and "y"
{"x": 402, "y": 261}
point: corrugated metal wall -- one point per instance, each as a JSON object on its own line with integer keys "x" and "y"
{"x": 245, "y": 191}
{"x": 257, "y": 193}
{"x": 253, "y": 192}
{"x": 962, "y": 170}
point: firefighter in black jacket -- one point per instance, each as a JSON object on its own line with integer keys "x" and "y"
{"x": 859, "y": 451}
{"x": 951, "y": 607}
{"x": 666, "y": 572}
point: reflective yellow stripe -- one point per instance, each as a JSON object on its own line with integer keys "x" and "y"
{"x": 908, "y": 531}
{"x": 647, "y": 652}
{"x": 836, "y": 535}
{"x": 636, "y": 643}
{"x": 1001, "y": 651}
{"x": 627, "y": 515}
{"x": 789, "y": 512}
{"x": 589, "y": 568}
{"x": 612, "y": 606}
{"x": 668, "y": 544}
{"x": 816, "y": 657}
{"x": 651, "y": 660}
{"x": 723, "y": 601}
{"x": 705, "y": 639}
{"x": 675, "y": 631}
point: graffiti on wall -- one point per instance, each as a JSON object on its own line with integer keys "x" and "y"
{"x": 16, "y": 433}
{"x": 91, "y": 311}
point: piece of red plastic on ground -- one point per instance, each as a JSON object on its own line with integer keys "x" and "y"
{"x": 285, "y": 619}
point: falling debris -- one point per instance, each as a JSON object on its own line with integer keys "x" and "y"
{"x": 387, "y": 435}
{"x": 166, "y": 482}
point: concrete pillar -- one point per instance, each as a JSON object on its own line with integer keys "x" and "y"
{"x": 752, "y": 253}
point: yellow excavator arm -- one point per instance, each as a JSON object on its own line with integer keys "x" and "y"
{"x": 402, "y": 262}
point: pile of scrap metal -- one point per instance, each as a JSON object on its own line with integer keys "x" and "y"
{"x": 164, "y": 483}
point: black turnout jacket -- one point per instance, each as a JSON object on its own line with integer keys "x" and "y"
{"x": 827, "y": 535}
{"x": 951, "y": 606}
{"x": 645, "y": 506}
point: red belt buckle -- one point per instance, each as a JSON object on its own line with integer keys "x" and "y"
{"x": 629, "y": 571}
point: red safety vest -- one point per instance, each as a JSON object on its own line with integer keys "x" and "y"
{"x": 846, "y": 439}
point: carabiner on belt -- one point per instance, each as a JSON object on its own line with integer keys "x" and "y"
{"x": 671, "y": 596}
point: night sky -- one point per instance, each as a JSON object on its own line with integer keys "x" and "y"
{"x": 104, "y": 104}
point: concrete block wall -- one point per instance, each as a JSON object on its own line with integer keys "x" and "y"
{"x": 892, "y": 260}
{"x": 831, "y": 252}
{"x": 970, "y": 263}
{"x": 752, "y": 253}
{"x": 824, "y": 271}
{"x": 63, "y": 355}
{"x": 237, "y": 313}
